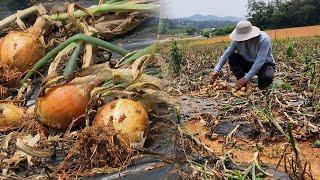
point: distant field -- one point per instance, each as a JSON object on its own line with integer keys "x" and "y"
{"x": 277, "y": 34}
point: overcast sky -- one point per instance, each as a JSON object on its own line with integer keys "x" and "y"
{"x": 183, "y": 8}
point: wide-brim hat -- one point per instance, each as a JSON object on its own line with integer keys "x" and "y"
{"x": 244, "y": 31}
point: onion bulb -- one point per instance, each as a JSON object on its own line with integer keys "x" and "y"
{"x": 61, "y": 105}
{"x": 11, "y": 116}
{"x": 22, "y": 49}
{"x": 128, "y": 118}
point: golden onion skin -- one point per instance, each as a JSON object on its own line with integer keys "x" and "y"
{"x": 11, "y": 116}
{"x": 104, "y": 116}
{"x": 61, "y": 105}
{"x": 129, "y": 119}
{"x": 21, "y": 50}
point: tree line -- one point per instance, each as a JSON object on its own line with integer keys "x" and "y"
{"x": 283, "y": 13}
{"x": 181, "y": 25}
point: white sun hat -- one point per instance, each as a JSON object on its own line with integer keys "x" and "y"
{"x": 244, "y": 31}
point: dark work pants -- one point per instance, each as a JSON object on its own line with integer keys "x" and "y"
{"x": 239, "y": 66}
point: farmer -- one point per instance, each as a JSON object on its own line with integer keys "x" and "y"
{"x": 253, "y": 57}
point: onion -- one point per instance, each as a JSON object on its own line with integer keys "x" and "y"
{"x": 63, "y": 104}
{"x": 24, "y": 48}
{"x": 128, "y": 118}
{"x": 11, "y": 116}
{"x": 21, "y": 50}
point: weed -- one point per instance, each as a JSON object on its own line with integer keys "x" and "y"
{"x": 290, "y": 50}
{"x": 286, "y": 86}
{"x": 317, "y": 143}
{"x": 176, "y": 58}
{"x": 310, "y": 67}
{"x": 254, "y": 169}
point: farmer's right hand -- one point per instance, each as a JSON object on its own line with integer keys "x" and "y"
{"x": 214, "y": 76}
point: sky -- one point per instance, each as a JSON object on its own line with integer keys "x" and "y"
{"x": 184, "y": 8}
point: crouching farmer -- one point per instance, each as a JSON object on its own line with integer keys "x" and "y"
{"x": 253, "y": 57}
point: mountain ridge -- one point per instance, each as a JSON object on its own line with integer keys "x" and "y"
{"x": 199, "y": 17}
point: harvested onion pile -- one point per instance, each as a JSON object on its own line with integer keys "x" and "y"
{"x": 220, "y": 85}
{"x": 243, "y": 91}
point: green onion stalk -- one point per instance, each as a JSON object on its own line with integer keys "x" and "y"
{"x": 148, "y": 50}
{"x": 110, "y": 6}
{"x": 72, "y": 61}
{"x": 78, "y": 37}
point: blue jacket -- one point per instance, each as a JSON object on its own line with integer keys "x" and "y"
{"x": 257, "y": 50}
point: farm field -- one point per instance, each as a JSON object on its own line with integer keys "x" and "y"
{"x": 306, "y": 31}
{"x": 99, "y": 90}
{"x": 233, "y": 131}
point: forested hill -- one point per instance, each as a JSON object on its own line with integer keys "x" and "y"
{"x": 182, "y": 25}
{"x": 284, "y": 13}
{"x": 171, "y": 23}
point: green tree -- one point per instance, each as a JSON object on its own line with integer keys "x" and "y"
{"x": 224, "y": 31}
{"x": 191, "y": 30}
{"x": 206, "y": 33}
{"x": 283, "y": 13}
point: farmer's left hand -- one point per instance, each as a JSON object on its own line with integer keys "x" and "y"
{"x": 241, "y": 83}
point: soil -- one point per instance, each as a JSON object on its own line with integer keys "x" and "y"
{"x": 243, "y": 149}
{"x": 8, "y": 81}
